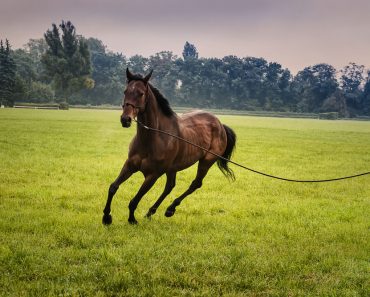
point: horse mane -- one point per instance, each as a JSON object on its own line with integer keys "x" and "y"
{"x": 163, "y": 103}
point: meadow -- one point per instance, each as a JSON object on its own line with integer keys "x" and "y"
{"x": 252, "y": 237}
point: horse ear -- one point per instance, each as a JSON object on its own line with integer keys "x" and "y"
{"x": 147, "y": 77}
{"x": 129, "y": 75}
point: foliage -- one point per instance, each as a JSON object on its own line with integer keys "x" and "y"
{"x": 254, "y": 237}
{"x": 351, "y": 79}
{"x": 67, "y": 60}
{"x": 190, "y": 51}
{"x": 107, "y": 72}
{"x": 248, "y": 83}
{"x": 7, "y": 75}
{"x": 366, "y": 95}
{"x": 336, "y": 102}
{"x": 63, "y": 106}
{"x": 40, "y": 93}
{"x": 314, "y": 85}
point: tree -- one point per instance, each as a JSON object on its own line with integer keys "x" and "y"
{"x": 32, "y": 84}
{"x": 138, "y": 64}
{"x": 190, "y": 51}
{"x": 7, "y": 74}
{"x": 67, "y": 60}
{"x": 212, "y": 85}
{"x": 366, "y": 95}
{"x": 25, "y": 74}
{"x": 96, "y": 46}
{"x": 36, "y": 49}
{"x": 165, "y": 72}
{"x": 335, "y": 103}
{"x": 351, "y": 80}
{"x": 108, "y": 74}
{"x": 26, "y": 68}
{"x": 276, "y": 87}
{"x": 313, "y": 85}
{"x": 190, "y": 82}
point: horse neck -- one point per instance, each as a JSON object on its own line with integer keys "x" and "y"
{"x": 151, "y": 117}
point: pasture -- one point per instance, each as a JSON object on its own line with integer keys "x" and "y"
{"x": 253, "y": 237}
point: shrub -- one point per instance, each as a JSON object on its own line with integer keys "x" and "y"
{"x": 64, "y": 106}
{"x": 41, "y": 93}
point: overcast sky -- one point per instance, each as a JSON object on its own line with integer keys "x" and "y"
{"x": 294, "y": 33}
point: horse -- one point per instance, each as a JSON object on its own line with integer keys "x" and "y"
{"x": 155, "y": 154}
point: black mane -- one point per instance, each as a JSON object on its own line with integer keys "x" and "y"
{"x": 163, "y": 103}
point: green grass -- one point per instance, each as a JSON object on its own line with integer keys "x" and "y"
{"x": 253, "y": 237}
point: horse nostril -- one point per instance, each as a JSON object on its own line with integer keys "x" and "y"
{"x": 126, "y": 122}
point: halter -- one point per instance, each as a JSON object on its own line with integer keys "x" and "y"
{"x": 138, "y": 106}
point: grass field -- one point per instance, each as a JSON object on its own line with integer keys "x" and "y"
{"x": 253, "y": 237}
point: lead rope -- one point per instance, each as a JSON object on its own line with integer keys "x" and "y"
{"x": 245, "y": 167}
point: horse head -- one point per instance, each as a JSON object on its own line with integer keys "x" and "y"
{"x": 134, "y": 100}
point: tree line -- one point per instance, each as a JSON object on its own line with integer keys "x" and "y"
{"x": 66, "y": 67}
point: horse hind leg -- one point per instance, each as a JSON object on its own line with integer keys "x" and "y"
{"x": 170, "y": 184}
{"x": 202, "y": 171}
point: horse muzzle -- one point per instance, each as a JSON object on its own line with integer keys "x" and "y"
{"x": 126, "y": 121}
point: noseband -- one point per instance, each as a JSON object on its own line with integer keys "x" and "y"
{"x": 136, "y": 106}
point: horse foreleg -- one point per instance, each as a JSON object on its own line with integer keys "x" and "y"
{"x": 125, "y": 173}
{"x": 145, "y": 187}
{"x": 170, "y": 184}
{"x": 203, "y": 168}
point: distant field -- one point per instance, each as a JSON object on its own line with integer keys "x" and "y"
{"x": 253, "y": 237}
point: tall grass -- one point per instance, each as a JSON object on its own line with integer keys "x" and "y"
{"x": 253, "y": 237}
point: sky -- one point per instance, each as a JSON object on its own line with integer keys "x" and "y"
{"x": 294, "y": 33}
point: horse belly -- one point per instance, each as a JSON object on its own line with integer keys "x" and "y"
{"x": 188, "y": 157}
{"x": 189, "y": 154}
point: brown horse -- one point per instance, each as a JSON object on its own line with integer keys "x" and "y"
{"x": 155, "y": 154}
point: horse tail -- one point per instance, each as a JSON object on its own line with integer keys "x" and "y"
{"x": 230, "y": 146}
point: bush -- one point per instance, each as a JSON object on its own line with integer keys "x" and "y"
{"x": 41, "y": 93}
{"x": 63, "y": 106}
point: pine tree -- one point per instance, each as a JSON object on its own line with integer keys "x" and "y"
{"x": 190, "y": 51}
{"x": 2, "y": 73}
{"x": 7, "y": 74}
{"x": 67, "y": 60}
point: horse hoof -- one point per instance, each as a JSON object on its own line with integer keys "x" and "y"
{"x": 107, "y": 219}
{"x": 132, "y": 222}
{"x": 150, "y": 213}
{"x": 169, "y": 213}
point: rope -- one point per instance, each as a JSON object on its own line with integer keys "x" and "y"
{"x": 247, "y": 168}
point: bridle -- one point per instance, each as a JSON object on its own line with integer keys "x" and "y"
{"x": 135, "y": 106}
{"x": 138, "y": 107}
